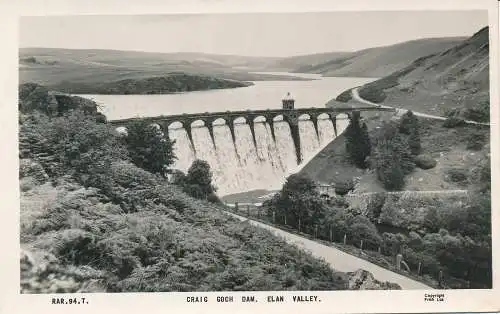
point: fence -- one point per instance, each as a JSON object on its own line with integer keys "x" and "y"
{"x": 378, "y": 254}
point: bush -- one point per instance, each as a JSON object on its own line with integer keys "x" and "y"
{"x": 198, "y": 181}
{"x": 476, "y": 140}
{"x": 453, "y": 122}
{"x": 360, "y": 228}
{"x": 345, "y": 96}
{"x": 457, "y": 175}
{"x": 372, "y": 93}
{"x": 425, "y": 161}
{"x": 342, "y": 188}
{"x": 481, "y": 113}
{"x": 375, "y": 205}
{"x": 408, "y": 123}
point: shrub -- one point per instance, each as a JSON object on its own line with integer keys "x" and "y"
{"x": 372, "y": 93}
{"x": 425, "y": 161}
{"x": 345, "y": 96}
{"x": 481, "y": 113}
{"x": 408, "y": 123}
{"x": 453, "y": 122}
{"x": 414, "y": 142}
{"x": 375, "y": 205}
{"x": 476, "y": 140}
{"x": 198, "y": 181}
{"x": 457, "y": 175}
{"x": 362, "y": 229}
{"x": 342, "y": 188}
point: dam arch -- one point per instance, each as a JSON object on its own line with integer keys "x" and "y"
{"x": 274, "y": 158}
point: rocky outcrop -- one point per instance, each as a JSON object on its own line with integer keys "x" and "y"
{"x": 364, "y": 280}
{"x": 41, "y": 273}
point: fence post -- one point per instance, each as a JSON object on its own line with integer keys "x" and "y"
{"x": 285, "y": 219}
{"x": 316, "y": 231}
{"x": 419, "y": 268}
{"x": 379, "y": 250}
{"x": 399, "y": 258}
{"x": 236, "y": 207}
{"x": 441, "y": 279}
{"x": 345, "y": 239}
{"x": 331, "y": 234}
{"x": 299, "y": 225}
{"x": 361, "y": 245}
{"x": 274, "y": 216}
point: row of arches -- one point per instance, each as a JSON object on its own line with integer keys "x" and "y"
{"x": 166, "y": 124}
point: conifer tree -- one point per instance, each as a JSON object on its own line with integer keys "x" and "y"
{"x": 400, "y": 147}
{"x": 357, "y": 141}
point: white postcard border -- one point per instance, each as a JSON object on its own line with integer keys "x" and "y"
{"x": 11, "y": 301}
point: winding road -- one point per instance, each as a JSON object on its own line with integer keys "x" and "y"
{"x": 338, "y": 259}
{"x": 357, "y": 97}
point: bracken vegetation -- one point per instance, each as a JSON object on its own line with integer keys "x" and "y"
{"x": 92, "y": 220}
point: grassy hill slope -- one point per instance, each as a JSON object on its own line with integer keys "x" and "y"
{"x": 372, "y": 62}
{"x": 452, "y": 80}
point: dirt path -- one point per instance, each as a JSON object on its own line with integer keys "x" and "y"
{"x": 338, "y": 259}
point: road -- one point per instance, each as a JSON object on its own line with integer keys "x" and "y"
{"x": 338, "y": 259}
{"x": 355, "y": 96}
{"x": 431, "y": 192}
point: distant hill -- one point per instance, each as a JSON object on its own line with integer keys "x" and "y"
{"x": 372, "y": 62}
{"x": 167, "y": 84}
{"x": 52, "y": 66}
{"x": 451, "y": 81}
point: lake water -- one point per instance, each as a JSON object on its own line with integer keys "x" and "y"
{"x": 261, "y": 95}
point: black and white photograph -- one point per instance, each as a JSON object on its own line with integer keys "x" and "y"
{"x": 272, "y": 152}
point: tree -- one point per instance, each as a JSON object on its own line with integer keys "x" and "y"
{"x": 408, "y": 123}
{"x": 388, "y": 166}
{"x": 409, "y": 126}
{"x": 148, "y": 147}
{"x": 357, "y": 140}
{"x": 198, "y": 181}
{"x": 298, "y": 200}
{"x": 401, "y": 148}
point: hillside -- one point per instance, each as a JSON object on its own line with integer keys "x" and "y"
{"x": 449, "y": 82}
{"x": 52, "y": 66}
{"x": 372, "y": 62}
{"x": 171, "y": 83}
{"x": 92, "y": 221}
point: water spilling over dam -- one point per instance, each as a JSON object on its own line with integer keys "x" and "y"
{"x": 246, "y": 164}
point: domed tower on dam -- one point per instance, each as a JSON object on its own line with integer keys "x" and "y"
{"x": 288, "y": 102}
